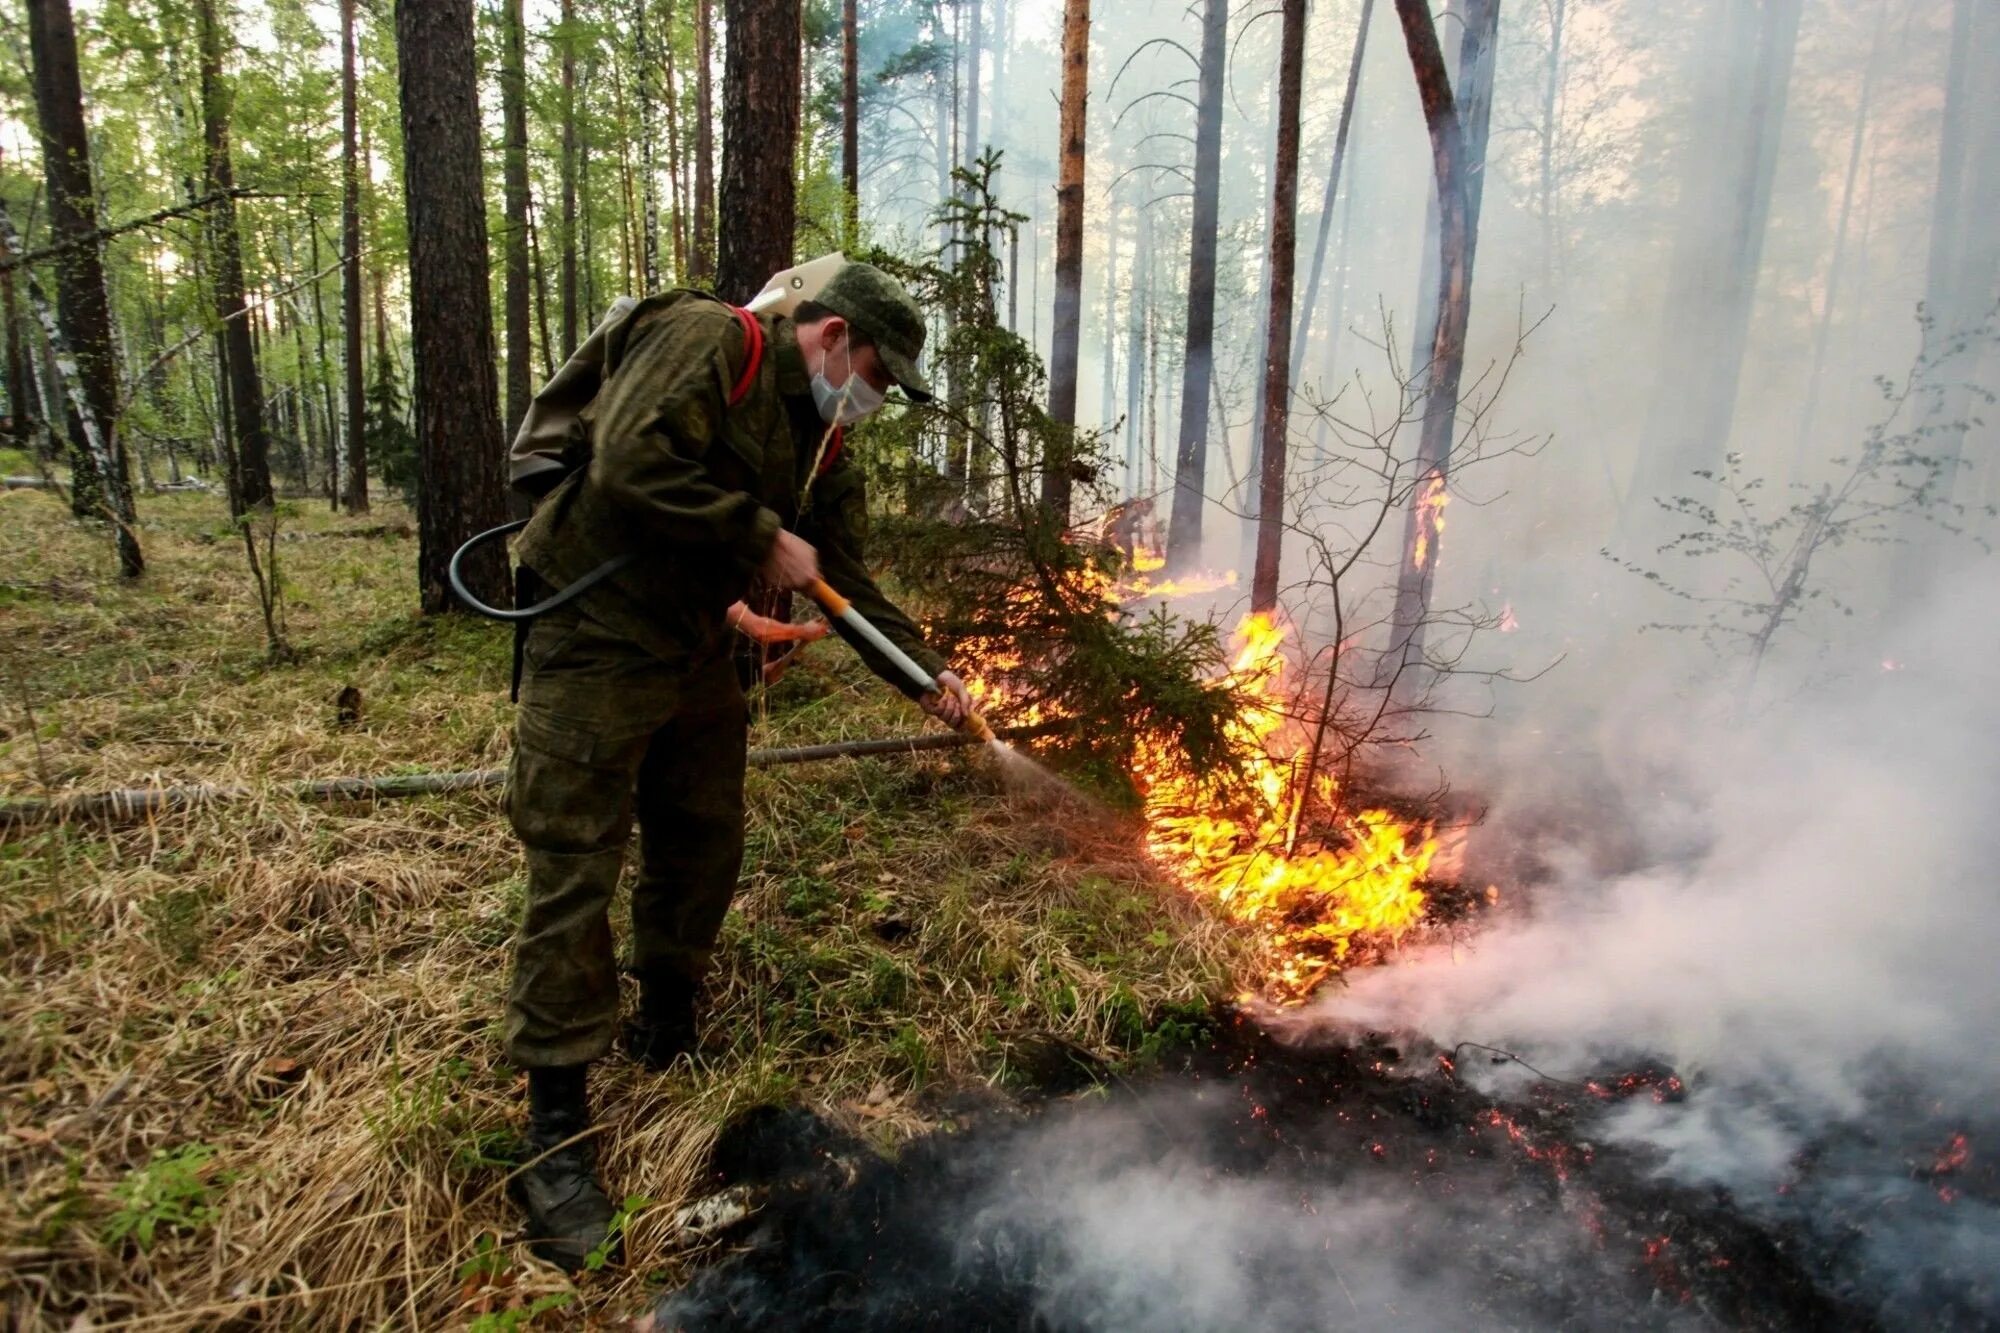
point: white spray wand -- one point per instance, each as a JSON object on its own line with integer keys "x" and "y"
{"x": 843, "y": 610}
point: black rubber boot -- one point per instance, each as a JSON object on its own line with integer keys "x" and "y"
{"x": 667, "y": 1025}
{"x": 568, "y": 1214}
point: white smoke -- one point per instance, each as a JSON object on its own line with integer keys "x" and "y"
{"x": 1124, "y": 1236}
{"x": 1828, "y": 921}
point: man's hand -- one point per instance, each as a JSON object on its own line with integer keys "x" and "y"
{"x": 792, "y": 563}
{"x": 951, "y": 704}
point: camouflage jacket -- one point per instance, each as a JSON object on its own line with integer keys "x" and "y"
{"x": 699, "y": 489}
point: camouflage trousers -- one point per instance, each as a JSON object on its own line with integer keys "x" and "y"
{"x": 606, "y": 732}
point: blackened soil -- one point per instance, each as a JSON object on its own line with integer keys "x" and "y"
{"x": 1253, "y": 1185}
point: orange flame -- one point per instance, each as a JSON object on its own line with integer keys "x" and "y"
{"x": 1246, "y": 855}
{"x": 1430, "y": 518}
{"x": 1280, "y": 853}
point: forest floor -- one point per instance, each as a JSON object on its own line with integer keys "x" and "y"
{"x": 249, "y": 1071}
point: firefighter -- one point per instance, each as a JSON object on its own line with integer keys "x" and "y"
{"x": 716, "y": 453}
{"x": 1126, "y": 525}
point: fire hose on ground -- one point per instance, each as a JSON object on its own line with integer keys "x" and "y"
{"x": 132, "y": 805}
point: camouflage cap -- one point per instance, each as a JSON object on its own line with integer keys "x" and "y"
{"x": 879, "y": 307}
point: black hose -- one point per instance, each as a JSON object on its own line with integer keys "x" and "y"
{"x": 569, "y": 594}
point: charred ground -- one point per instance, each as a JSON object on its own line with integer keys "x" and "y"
{"x": 1339, "y": 1182}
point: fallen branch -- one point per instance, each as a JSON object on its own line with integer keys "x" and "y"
{"x": 131, "y": 805}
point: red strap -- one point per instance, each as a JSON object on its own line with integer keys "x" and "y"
{"x": 753, "y": 333}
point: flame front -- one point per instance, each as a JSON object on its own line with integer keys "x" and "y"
{"x": 1309, "y": 902}
{"x": 1279, "y": 852}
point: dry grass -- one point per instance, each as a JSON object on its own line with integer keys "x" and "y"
{"x": 266, "y": 1032}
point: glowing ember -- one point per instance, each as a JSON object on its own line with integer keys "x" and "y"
{"x": 1430, "y": 518}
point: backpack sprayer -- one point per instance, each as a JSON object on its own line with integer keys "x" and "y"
{"x": 553, "y": 414}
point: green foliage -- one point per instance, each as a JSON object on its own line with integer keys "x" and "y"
{"x": 621, "y": 1221}
{"x": 509, "y": 1321}
{"x": 1013, "y": 597}
{"x": 169, "y": 1193}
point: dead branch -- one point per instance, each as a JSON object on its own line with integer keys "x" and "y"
{"x": 131, "y": 805}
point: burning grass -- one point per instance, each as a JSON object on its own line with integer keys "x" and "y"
{"x": 248, "y": 1063}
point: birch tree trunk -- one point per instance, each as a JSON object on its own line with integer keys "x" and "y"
{"x": 459, "y": 458}
{"x": 649, "y": 177}
{"x": 1067, "y": 338}
{"x": 100, "y": 485}
{"x": 1277, "y": 349}
{"x": 1198, "y": 364}
{"x": 353, "y": 395}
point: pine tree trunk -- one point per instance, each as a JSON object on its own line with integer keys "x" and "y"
{"x": 702, "y": 264}
{"x": 514, "y": 141}
{"x": 1837, "y": 262}
{"x": 1135, "y": 346}
{"x": 1458, "y": 133}
{"x": 629, "y": 278}
{"x": 378, "y": 266}
{"x": 1198, "y": 365}
{"x": 355, "y": 404}
{"x": 677, "y": 183}
{"x": 1056, "y": 473}
{"x": 1003, "y": 38}
{"x": 971, "y": 127}
{"x": 850, "y": 121}
{"x": 1732, "y": 167}
{"x": 451, "y": 316}
{"x": 246, "y": 389}
{"x": 1107, "y": 384}
{"x": 566, "y": 282}
{"x": 760, "y": 130}
{"x": 1278, "y": 350}
{"x": 1332, "y": 187}
{"x": 1551, "y": 94}
{"x": 1961, "y": 270}
{"x": 100, "y": 484}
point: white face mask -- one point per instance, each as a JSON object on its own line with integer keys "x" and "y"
{"x": 845, "y": 404}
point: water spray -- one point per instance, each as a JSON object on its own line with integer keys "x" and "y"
{"x": 843, "y": 610}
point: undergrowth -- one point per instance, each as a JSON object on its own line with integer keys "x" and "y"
{"x": 249, "y": 1065}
